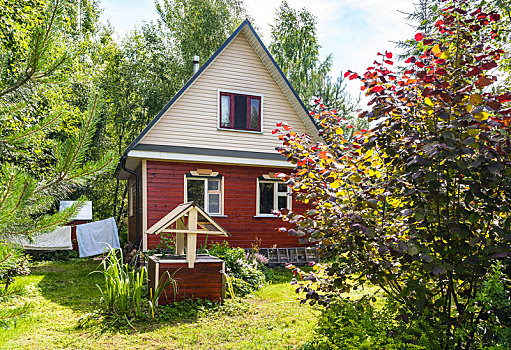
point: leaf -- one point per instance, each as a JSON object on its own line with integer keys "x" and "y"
{"x": 482, "y": 115}
{"x": 377, "y": 89}
{"x": 355, "y": 178}
{"x": 339, "y": 131}
{"x": 475, "y": 99}
{"x": 489, "y": 65}
{"x": 493, "y": 104}
{"x": 335, "y": 184}
{"x": 413, "y": 250}
{"x": 483, "y": 81}
{"x": 496, "y": 168}
{"x": 473, "y": 218}
{"x": 436, "y": 49}
{"x": 438, "y": 270}
{"x": 494, "y": 17}
{"x": 473, "y": 241}
{"x": 419, "y": 37}
{"x": 428, "y": 101}
{"x": 473, "y": 72}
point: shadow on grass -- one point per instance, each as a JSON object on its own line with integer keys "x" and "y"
{"x": 70, "y": 283}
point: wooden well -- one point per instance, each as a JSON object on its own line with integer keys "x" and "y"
{"x": 205, "y": 280}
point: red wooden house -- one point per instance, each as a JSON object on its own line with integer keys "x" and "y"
{"x": 212, "y": 143}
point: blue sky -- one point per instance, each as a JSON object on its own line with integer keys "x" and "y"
{"x": 353, "y": 31}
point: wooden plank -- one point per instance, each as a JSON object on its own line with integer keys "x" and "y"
{"x": 191, "y": 238}
{"x": 180, "y": 238}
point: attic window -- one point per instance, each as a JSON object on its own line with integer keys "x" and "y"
{"x": 240, "y": 112}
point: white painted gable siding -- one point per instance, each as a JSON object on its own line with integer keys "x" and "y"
{"x": 193, "y": 119}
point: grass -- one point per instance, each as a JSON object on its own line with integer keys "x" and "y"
{"x": 62, "y": 292}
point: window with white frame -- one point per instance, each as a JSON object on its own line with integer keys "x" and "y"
{"x": 272, "y": 195}
{"x": 206, "y": 193}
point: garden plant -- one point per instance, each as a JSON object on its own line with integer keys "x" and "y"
{"x": 419, "y": 205}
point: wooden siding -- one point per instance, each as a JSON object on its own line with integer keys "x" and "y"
{"x": 204, "y": 281}
{"x": 192, "y": 121}
{"x": 165, "y": 190}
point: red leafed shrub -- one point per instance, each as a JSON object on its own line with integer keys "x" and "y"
{"x": 420, "y": 204}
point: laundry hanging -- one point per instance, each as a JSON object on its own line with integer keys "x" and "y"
{"x": 60, "y": 239}
{"x": 96, "y": 237}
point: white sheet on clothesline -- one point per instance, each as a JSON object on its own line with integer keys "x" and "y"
{"x": 60, "y": 239}
{"x": 96, "y": 237}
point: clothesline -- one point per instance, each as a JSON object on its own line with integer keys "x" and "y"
{"x": 92, "y": 238}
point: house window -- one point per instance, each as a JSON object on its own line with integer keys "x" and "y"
{"x": 206, "y": 193}
{"x": 240, "y": 112}
{"x": 272, "y": 195}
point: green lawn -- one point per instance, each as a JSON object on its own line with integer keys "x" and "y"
{"x": 62, "y": 292}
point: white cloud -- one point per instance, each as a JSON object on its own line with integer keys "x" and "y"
{"x": 353, "y": 31}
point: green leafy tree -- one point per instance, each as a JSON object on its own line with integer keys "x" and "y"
{"x": 198, "y": 27}
{"x": 420, "y": 204}
{"x": 295, "y": 47}
{"x": 137, "y": 79}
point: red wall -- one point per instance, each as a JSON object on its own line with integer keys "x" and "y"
{"x": 165, "y": 190}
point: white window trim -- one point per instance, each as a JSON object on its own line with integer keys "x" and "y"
{"x": 218, "y": 114}
{"x": 275, "y": 198}
{"x": 206, "y": 197}
{"x": 131, "y": 199}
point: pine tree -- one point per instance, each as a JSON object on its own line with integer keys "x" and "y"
{"x": 30, "y": 58}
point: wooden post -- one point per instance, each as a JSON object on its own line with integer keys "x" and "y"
{"x": 180, "y": 237}
{"x": 191, "y": 238}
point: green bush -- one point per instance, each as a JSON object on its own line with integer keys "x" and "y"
{"x": 348, "y": 324}
{"x": 12, "y": 263}
{"x": 243, "y": 272}
{"x": 493, "y": 305}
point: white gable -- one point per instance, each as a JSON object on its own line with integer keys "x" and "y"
{"x": 192, "y": 120}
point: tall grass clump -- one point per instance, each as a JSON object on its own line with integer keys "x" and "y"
{"x": 123, "y": 287}
{"x": 124, "y": 295}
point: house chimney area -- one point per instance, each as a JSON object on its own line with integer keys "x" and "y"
{"x": 195, "y": 64}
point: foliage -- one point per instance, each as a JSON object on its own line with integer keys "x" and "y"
{"x": 493, "y": 302}
{"x": 420, "y": 204}
{"x": 295, "y": 47}
{"x": 427, "y": 13}
{"x": 358, "y": 324}
{"x": 244, "y": 274}
{"x": 167, "y": 244}
{"x": 198, "y": 27}
{"x": 122, "y": 293}
{"x": 123, "y": 296}
{"x": 12, "y": 263}
{"x": 191, "y": 309}
{"x": 28, "y": 195}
